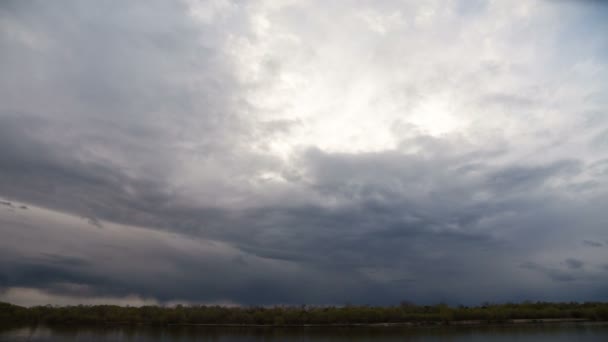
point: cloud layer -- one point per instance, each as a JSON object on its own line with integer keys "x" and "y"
{"x": 303, "y": 152}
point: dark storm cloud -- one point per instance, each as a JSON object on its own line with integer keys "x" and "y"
{"x": 135, "y": 125}
{"x": 42, "y": 275}
{"x": 117, "y": 262}
{"x": 398, "y": 217}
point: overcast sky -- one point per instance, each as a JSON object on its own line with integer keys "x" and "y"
{"x": 303, "y": 152}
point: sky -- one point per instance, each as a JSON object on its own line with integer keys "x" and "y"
{"x": 303, "y": 152}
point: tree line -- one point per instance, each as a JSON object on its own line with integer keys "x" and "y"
{"x": 302, "y": 315}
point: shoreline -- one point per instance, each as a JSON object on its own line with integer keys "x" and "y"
{"x": 515, "y": 324}
{"x": 305, "y": 316}
{"x": 467, "y": 323}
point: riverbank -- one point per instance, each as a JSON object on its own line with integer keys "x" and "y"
{"x": 407, "y": 315}
{"x": 401, "y": 324}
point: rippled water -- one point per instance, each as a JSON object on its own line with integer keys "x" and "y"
{"x": 562, "y": 332}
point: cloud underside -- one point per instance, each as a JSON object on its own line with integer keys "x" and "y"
{"x": 263, "y": 153}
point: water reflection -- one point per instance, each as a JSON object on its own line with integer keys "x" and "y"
{"x": 563, "y": 332}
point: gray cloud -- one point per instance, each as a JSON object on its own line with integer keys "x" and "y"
{"x": 574, "y": 263}
{"x": 591, "y": 243}
{"x": 552, "y": 273}
{"x": 231, "y": 152}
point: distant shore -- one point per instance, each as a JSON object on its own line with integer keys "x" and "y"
{"x": 311, "y": 316}
{"x": 406, "y": 324}
{"x": 465, "y": 323}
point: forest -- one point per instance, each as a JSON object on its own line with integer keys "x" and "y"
{"x": 302, "y": 315}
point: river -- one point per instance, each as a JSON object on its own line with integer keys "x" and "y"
{"x": 520, "y": 333}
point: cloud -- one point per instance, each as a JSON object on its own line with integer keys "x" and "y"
{"x": 553, "y": 274}
{"x": 33, "y": 297}
{"x": 591, "y": 243}
{"x": 231, "y": 152}
{"x": 574, "y": 263}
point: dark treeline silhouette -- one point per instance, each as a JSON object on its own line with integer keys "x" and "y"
{"x": 303, "y": 315}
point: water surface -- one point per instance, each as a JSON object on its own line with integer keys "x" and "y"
{"x": 559, "y": 332}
